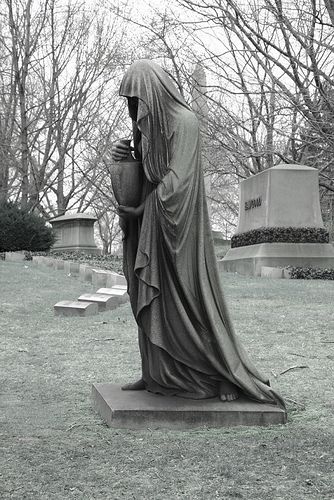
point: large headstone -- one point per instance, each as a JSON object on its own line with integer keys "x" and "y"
{"x": 75, "y": 232}
{"x": 282, "y": 196}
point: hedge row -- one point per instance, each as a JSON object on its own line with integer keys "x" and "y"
{"x": 310, "y": 273}
{"x": 280, "y": 235}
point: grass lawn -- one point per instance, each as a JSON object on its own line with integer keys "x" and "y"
{"x": 54, "y": 446}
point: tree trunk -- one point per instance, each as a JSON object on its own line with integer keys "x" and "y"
{"x": 20, "y": 82}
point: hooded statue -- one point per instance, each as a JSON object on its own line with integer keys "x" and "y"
{"x": 187, "y": 342}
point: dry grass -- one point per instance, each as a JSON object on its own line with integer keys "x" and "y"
{"x": 54, "y": 446}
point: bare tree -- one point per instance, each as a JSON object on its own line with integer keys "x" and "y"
{"x": 279, "y": 61}
{"x": 24, "y": 31}
{"x": 271, "y": 66}
{"x": 62, "y": 63}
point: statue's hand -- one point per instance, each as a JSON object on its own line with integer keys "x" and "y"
{"x": 130, "y": 212}
{"x": 120, "y": 149}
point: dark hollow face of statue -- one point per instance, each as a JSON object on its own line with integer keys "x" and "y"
{"x": 133, "y": 107}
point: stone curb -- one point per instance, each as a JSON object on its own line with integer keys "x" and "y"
{"x": 98, "y": 277}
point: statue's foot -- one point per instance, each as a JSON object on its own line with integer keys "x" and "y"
{"x": 135, "y": 386}
{"x": 228, "y": 391}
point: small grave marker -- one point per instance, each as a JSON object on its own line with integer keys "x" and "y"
{"x": 105, "y": 302}
{"x": 75, "y": 308}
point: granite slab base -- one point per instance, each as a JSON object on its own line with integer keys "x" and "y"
{"x": 249, "y": 260}
{"x": 142, "y": 410}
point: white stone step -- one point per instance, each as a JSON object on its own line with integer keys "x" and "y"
{"x": 120, "y": 294}
{"x": 113, "y": 291}
{"x": 105, "y": 302}
{"x": 75, "y": 308}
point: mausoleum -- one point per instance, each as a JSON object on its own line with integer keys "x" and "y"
{"x": 75, "y": 232}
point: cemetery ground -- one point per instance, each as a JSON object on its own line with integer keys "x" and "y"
{"x": 54, "y": 445}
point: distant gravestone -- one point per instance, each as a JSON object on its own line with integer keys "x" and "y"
{"x": 58, "y": 265}
{"x": 105, "y": 302}
{"x": 280, "y": 197}
{"x": 14, "y": 256}
{"x": 75, "y": 232}
{"x": 75, "y": 308}
{"x": 71, "y": 267}
{"x": 99, "y": 277}
{"x": 85, "y": 272}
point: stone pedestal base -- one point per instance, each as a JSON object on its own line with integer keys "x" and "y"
{"x": 248, "y": 260}
{"x": 142, "y": 410}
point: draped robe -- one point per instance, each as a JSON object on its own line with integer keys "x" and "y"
{"x": 186, "y": 338}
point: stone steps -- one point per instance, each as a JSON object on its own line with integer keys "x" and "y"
{"x": 119, "y": 295}
{"x": 111, "y": 293}
{"x": 105, "y": 299}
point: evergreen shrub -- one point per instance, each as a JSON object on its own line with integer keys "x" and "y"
{"x": 22, "y": 230}
{"x": 280, "y": 235}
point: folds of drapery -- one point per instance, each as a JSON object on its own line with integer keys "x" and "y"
{"x": 187, "y": 339}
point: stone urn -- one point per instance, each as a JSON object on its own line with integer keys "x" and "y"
{"x": 126, "y": 179}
